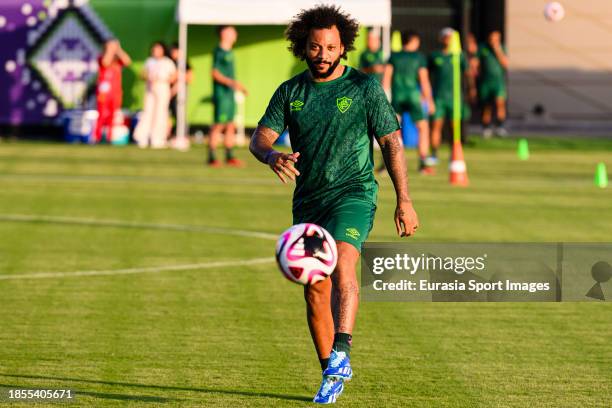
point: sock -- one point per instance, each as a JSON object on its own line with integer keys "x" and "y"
{"x": 324, "y": 363}
{"x": 342, "y": 342}
{"x": 229, "y": 153}
{"x": 500, "y": 123}
{"x": 434, "y": 152}
{"x": 211, "y": 155}
{"x": 421, "y": 162}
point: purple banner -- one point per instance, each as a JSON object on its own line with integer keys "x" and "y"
{"x": 48, "y": 58}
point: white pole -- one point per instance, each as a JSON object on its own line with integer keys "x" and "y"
{"x": 239, "y": 97}
{"x": 386, "y": 42}
{"x": 181, "y": 114}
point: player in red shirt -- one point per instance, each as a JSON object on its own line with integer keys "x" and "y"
{"x": 108, "y": 90}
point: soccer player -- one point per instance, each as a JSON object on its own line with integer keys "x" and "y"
{"x": 109, "y": 94}
{"x": 492, "y": 65}
{"x": 441, "y": 70}
{"x": 333, "y": 112}
{"x": 224, "y": 86}
{"x": 371, "y": 60}
{"x": 407, "y": 78}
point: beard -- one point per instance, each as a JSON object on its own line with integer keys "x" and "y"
{"x": 313, "y": 69}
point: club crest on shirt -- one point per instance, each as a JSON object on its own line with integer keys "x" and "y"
{"x": 343, "y": 103}
{"x": 296, "y": 106}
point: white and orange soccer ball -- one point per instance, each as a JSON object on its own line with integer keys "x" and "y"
{"x": 554, "y": 11}
{"x": 306, "y": 253}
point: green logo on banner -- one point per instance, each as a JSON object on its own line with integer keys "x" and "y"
{"x": 296, "y": 105}
{"x": 343, "y": 103}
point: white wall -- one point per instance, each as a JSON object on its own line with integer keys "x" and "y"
{"x": 565, "y": 66}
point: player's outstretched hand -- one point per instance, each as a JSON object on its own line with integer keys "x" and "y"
{"x": 283, "y": 165}
{"x": 240, "y": 88}
{"x": 432, "y": 107}
{"x": 406, "y": 219}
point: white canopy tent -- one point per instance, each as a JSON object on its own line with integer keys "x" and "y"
{"x": 376, "y": 13}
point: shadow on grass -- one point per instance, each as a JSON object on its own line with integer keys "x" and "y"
{"x": 157, "y": 387}
{"x": 102, "y": 395}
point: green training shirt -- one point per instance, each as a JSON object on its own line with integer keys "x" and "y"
{"x": 490, "y": 68}
{"x": 368, "y": 59}
{"x": 332, "y": 125}
{"x": 223, "y": 61}
{"x": 441, "y": 71}
{"x": 406, "y": 65}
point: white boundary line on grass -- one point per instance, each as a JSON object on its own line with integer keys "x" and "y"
{"x": 138, "y": 179}
{"x": 128, "y": 224}
{"x": 125, "y": 224}
{"x": 131, "y": 271}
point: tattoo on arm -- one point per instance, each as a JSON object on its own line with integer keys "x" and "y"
{"x": 393, "y": 154}
{"x": 261, "y": 142}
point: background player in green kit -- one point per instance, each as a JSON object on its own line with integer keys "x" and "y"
{"x": 333, "y": 112}
{"x": 224, "y": 86}
{"x": 441, "y": 70}
{"x": 492, "y": 65}
{"x": 371, "y": 60}
{"x": 407, "y": 79}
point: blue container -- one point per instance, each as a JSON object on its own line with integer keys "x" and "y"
{"x": 410, "y": 135}
{"x": 121, "y": 136}
{"x": 79, "y": 125}
{"x": 283, "y": 139}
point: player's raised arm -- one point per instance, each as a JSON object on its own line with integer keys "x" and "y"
{"x": 123, "y": 56}
{"x": 406, "y": 220}
{"x": 281, "y": 163}
{"x": 110, "y": 51}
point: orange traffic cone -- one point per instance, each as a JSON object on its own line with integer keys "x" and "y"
{"x": 458, "y": 170}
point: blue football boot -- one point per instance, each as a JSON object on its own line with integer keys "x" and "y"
{"x": 339, "y": 367}
{"x": 330, "y": 390}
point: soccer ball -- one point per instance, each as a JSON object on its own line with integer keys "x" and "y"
{"x": 554, "y": 11}
{"x": 306, "y": 253}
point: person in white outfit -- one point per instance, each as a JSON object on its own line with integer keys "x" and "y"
{"x": 160, "y": 73}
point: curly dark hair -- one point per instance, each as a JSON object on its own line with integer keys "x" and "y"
{"x": 408, "y": 35}
{"x": 321, "y": 16}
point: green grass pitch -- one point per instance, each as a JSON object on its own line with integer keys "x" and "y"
{"x": 216, "y": 328}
